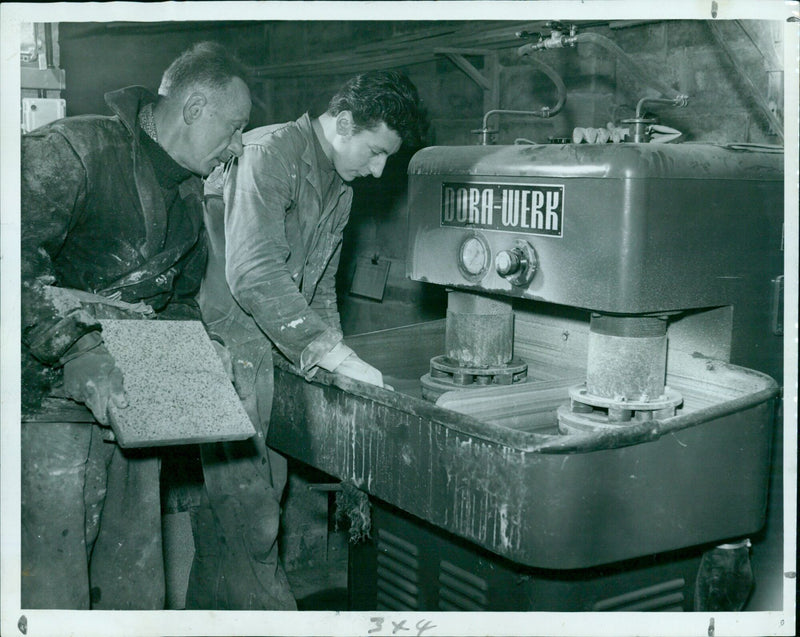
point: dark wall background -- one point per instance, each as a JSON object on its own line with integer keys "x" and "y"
{"x": 296, "y": 66}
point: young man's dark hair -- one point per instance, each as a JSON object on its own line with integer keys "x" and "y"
{"x": 383, "y": 96}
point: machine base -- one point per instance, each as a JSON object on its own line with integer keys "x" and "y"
{"x": 410, "y": 565}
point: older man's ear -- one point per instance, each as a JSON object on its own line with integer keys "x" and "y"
{"x": 193, "y": 107}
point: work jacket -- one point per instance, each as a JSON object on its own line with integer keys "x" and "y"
{"x": 275, "y": 243}
{"x": 93, "y": 218}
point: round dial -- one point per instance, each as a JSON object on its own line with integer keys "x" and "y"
{"x": 474, "y": 256}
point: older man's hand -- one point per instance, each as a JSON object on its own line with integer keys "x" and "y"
{"x": 94, "y": 379}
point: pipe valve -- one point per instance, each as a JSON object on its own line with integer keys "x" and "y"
{"x": 557, "y": 39}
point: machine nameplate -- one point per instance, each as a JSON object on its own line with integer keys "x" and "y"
{"x": 525, "y": 208}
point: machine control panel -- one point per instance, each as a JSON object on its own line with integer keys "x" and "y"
{"x": 517, "y": 263}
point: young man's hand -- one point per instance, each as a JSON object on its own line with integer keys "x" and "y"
{"x": 354, "y": 367}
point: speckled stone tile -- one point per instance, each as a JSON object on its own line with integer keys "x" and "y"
{"x": 178, "y": 391}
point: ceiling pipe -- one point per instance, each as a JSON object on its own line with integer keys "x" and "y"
{"x": 772, "y": 118}
{"x": 560, "y": 40}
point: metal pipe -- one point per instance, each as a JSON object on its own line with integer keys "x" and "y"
{"x": 48, "y": 44}
{"x": 610, "y": 46}
{"x": 680, "y": 100}
{"x": 561, "y": 87}
{"x": 543, "y": 112}
{"x": 641, "y": 130}
{"x": 777, "y": 125}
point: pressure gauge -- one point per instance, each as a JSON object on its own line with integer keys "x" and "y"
{"x": 473, "y": 256}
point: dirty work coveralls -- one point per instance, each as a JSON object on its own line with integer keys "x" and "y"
{"x": 104, "y": 210}
{"x": 275, "y": 219}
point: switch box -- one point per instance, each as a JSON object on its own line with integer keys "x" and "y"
{"x": 38, "y": 111}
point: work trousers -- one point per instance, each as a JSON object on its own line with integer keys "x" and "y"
{"x": 91, "y": 521}
{"x": 236, "y": 564}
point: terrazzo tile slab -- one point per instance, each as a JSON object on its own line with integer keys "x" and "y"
{"x": 178, "y": 391}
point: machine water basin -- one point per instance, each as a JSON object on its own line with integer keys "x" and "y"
{"x": 520, "y": 489}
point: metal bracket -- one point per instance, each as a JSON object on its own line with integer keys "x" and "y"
{"x": 45, "y": 79}
{"x": 776, "y": 306}
{"x": 488, "y": 80}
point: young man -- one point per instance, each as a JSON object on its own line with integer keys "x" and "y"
{"x": 275, "y": 219}
{"x": 112, "y": 227}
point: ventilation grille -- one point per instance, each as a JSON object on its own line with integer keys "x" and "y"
{"x": 460, "y": 589}
{"x": 398, "y": 568}
{"x": 667, "y": 596}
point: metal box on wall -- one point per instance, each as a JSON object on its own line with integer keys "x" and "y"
{"x": 37, "y": 112}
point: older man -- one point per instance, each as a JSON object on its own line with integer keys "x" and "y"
{"x": 112, "y": 227}
{"x": 275, "y": 219}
